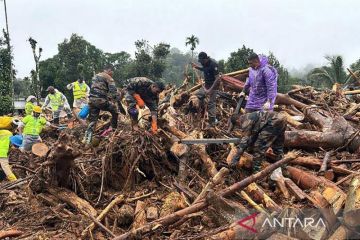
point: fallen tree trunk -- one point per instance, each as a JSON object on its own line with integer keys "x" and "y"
{"x": 333, "y": 194}
{"x": 172, "y": 218}
{"x": 73, "y": 200}
{"x": 336, "y": 132}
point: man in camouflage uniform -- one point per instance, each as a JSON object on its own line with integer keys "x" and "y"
{"x": 260, "y": 130}
{"x": 142, "y": 91}
{"x": 211, "y": 74}
{"x": 102, "y": 92}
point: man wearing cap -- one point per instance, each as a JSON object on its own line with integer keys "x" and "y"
{"x": 58, "y": 102}
{"x": 31, "y": 127}
{"x": 29, "y": 105}
{"x": 211, "y": 76}
{"x": 4, "y": 151}
{"x": 141, "y": 92}
{"x": 81, "y": 92}
{"x": 103, "y": 94}
{"x": 261, "y": 84}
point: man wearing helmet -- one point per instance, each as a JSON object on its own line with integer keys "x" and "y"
{"x": 29, "y": 105}
{"x": 31, "y": 127}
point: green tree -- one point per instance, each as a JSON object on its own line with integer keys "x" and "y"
{"x": 284, "y": 80}
{"x": 36, "y": 86}
{"x": 5, "y": 75}
{"x": 122, "y": 66}
{"x": 238, "y": 59}
{"x": 326, "y": 76}
{"x": 150, "y": 61}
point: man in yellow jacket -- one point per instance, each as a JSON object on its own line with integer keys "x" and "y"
{"x": 57, "y": 102}
{"x": 30, "y": 104}
{"x": 31, "y": 127}
{"x": 80, "y": 91}
{"x": 4, "y": 150}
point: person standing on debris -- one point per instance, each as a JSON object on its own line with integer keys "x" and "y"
{"x": 29, "y": 105}
{"x": 260, "y": 130}
{"x": 31, "y": 127}
{"x": 58, "y": 102}
{"x": 102, "y": 94}
{"x": 81, "y": 92}
{"x": 211, "y": 75}
{"x": 261, "y": 84}
{"x": 142, "y": 91}
{"x": 4, "y": 151}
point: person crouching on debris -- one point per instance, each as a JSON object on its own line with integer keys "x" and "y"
{"x": 4, "y": 151}
{"x": 142, "y": 91}
{"x": 259, "y": 130}
{"x": 102, "y": 94}
{"x": 58, "y": 102}
{"x": 261, "y": 84}
{"x": 29, "y": 105}
{"x": 211, "y": 76}
{"x": 31, "y": 127}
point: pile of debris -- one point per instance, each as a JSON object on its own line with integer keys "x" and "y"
{"x": 137, "y": 185}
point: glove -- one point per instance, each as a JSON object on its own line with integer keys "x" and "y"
{"x": 139, "y": 100}
{"x": 154, "y": 127}
{"x": 266, "y": 106}
{"x": 242, "y": 94}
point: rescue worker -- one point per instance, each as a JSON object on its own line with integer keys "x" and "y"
{"x": 80, "y": 91}
{"x": 31, "y": 127}
{"x": 29, "y": 105}
{"x": 211, "y": 77}
{"x": 260, "y": 130}
{"x": 58, "y": 102}
{"x": 142, "y": 92}
{"x": 102, "y": 94}
{"x": 4, "y": 151}
{"x": 261, "y": 84}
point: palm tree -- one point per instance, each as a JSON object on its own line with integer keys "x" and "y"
{"x": 193, "y": 42}
{"x": 333, "y": 72}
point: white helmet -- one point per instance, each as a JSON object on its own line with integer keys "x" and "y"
{"x": 29, "y": 98}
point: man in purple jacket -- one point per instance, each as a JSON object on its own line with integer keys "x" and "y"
{"x": 261, "y": 84}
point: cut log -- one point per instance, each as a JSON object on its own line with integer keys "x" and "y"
{"x": 352, "y": 205}
{"x": 140, "y": 215}
{"x": 287, "y": 100}
{"x": 333, "y": 194}
{"x": 152, "y": 213}
{"x": 69, "y": 197}
{"x": 329, "y": 175}
{"x": 295, "y": 190}
{"x": 258, "y": 194}
{"x": 169, "y": 219}
{"x": 290, "y": 120}
{"x": 244, "y": 161}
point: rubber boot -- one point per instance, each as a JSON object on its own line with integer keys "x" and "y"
{"x": 11, "y": 177}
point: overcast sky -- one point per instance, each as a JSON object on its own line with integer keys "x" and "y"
{"x": 298, "y": 32}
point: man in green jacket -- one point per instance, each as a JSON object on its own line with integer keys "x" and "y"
{"x": 29, "y": 105}
{"x": 31, "y": 127}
